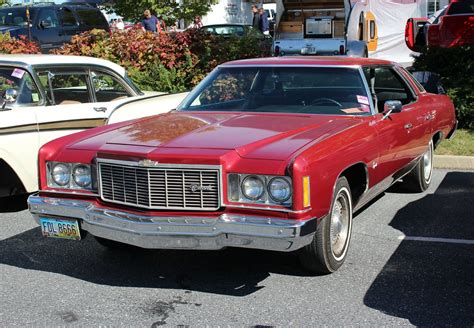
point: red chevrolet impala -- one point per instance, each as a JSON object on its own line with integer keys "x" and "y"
{"x": 273, "y": 154}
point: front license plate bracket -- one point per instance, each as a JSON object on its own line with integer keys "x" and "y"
{"x": 60, "y": 228}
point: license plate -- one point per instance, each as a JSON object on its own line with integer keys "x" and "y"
{"x": 58, "y": 228}
{"x": 308, "y": 51}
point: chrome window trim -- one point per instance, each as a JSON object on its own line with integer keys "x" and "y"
{"x": 167, "y": 166}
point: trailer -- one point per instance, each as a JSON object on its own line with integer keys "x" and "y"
{"x": 362, "y": 28}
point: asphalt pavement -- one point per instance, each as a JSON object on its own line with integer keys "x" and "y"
{"x": 411, "y": 262}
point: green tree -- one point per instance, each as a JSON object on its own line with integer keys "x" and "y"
{"x": 168, "y": 10}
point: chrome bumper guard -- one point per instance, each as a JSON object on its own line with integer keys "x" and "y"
{"x": 179, "y": 232}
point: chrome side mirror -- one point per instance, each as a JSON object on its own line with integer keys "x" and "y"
{"x": 9, "y": 97}
{"x": 391, "y": 107}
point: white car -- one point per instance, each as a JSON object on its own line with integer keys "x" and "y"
{"x": 44, "y": 97}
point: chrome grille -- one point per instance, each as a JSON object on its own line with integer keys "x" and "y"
{"x": 162, "y": 187}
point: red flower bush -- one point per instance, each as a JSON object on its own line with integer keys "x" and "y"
{"x": 169, "y": 62}
{"x": 21, "y": 45}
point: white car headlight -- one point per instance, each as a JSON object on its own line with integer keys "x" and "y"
{"x": 279, "y": 189}
{"x": 61, "y": 174}
{"x": 253, "y": 187}
{"x": 82, "y": 175}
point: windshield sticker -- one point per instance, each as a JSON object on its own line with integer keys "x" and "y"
{"x": 363, "y": 100}
{"x": 35, "y": 97}
{"x": 365, "y": 108}
{"x": 354, "y": 110}
{"x": 18, "y": 73}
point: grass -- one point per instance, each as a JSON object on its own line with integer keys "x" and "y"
{"x": 461, "y": 145}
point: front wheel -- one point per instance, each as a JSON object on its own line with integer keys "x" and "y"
{"x": 419, "y": 179}
{"x": 328, "y": 250}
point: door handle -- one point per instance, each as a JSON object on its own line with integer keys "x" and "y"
{"x": 100, "y": 109}
{"x": 408, "y": 126}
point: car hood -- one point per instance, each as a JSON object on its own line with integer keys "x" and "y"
{"x": 251, "y": 135}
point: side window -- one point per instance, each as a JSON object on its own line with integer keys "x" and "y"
{"x": 372, "y": 29}
{"x": 361, "y": 26}
{"x": 48, "y": 18}
{"x": 66, "y": 88}
{"x": 19, "y": 80}
{"x": 107, "y": 87}
{"x": 388, "y": 85}
{"x": 67, "y": 17}
{"x": 91, "y": 17}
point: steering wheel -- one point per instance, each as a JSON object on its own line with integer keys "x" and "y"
{"x": 327, "y": 101}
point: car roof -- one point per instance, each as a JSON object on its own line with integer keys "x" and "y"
{"x": 57, "y": 60}
{"x": 49, "y": 5}
{"x": 311, "y": 60}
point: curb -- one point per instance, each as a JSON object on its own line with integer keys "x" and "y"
{"x": 454, "y": 162}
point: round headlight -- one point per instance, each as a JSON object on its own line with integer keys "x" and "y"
{"x": 279, "y": 189}
{"x": 253, "y": 187}
{"x": 61, "y": 174}
{"x": 82, "y": 175}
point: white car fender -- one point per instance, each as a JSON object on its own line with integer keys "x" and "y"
{"x": 15, "y": 160}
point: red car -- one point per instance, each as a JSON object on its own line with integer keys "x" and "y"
{"x": 273, "y": 154}
{"x": 453, "y": 26}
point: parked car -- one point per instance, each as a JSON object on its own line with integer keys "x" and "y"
{"x": 44, "y": 97}
{"x": 450, "y": 27}
{"x": 51, "y": 25}
{"x": 227, "y": 30}
{"x": 271, "y": 153}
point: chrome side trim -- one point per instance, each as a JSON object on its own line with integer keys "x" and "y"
{"x": 180, "y": 231}
{"x": 268, "y": 208}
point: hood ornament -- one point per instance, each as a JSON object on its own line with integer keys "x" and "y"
{"x": 148, "y": 163}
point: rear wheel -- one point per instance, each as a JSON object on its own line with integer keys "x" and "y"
{"x": 328, "y": 250}
{"x": 419, "y": 179}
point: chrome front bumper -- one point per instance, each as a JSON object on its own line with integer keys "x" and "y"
{"x": 179, "y": 232}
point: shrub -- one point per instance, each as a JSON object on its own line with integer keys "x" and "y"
{"x": 22, "y": 45}
{"x": 456, "y": 68}
{"x": 170, "y": 62}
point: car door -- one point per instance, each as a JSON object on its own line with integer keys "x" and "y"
{"x": 72, "y": 106}
{"x": 69, "y": 24}
{"x": 401, "y": 137}
{"x": 18, "y": 123}
{"x": 48, "y": 30}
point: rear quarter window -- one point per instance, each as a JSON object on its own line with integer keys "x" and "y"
{"x": 91, "y": 17}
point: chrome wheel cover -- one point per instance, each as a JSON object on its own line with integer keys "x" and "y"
{"x": 428, "y": 164}
{"x": 340, "y": 225}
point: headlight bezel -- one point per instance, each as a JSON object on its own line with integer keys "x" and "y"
{"x": 235, "y": 192}
{"x": 72, "y": 184}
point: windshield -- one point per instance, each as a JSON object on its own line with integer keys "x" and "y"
{"x": 13, "y": 17}
{"x": 312, "y": 90}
